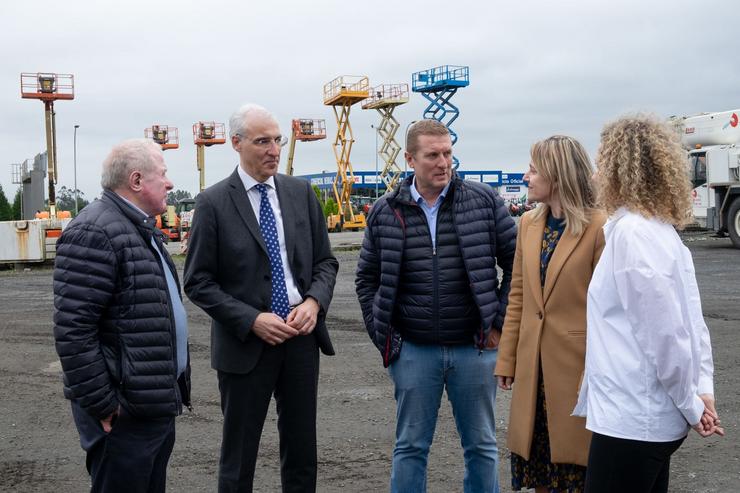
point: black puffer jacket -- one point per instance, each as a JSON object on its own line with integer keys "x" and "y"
{"x": 113, "y": 322}
{"x": 486, "y": 236}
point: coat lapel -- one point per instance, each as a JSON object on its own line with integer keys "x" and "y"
{"x": 288, "y": 212}
{"x": 532, "y": 248}
{"x": 563, "y": 250}
{"x": 244, "y": 208}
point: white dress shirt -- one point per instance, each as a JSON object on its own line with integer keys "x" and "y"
{"x": 294, "y": 296}
{"x": 648, "y": 353}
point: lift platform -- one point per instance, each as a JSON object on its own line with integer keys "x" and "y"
{"x": 303, "y": 130}
{"x": 385, "y": 98}
{"x": 438, "y": 85}
{"x": 206, "y": 134}
{"x": 49, "y": 87}
{"x": 341, "y": 93}
{"x": 167, "y": 137}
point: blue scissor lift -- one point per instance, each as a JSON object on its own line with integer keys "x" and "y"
{"x": 438, "y": 85}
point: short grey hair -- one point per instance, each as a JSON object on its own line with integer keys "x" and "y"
{"x": 239, "y": 118}
{"x": 126, "y": 157}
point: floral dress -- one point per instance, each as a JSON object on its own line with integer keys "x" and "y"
{"x": 538, "y": 470}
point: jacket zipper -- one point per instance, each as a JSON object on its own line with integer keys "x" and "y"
{"x": 435, "y": 280}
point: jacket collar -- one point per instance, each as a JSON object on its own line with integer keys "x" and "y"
{"x": 402, "y": 194}
{"x": 147, "y": 225}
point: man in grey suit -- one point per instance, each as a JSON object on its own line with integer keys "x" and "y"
{"x": 261, "y": 266}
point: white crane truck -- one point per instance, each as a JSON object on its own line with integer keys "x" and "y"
{"x": 712, "y": 141}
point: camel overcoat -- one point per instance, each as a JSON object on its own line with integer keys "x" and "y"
{"x": 548, "y": 324}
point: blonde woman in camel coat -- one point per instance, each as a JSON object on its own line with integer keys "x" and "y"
{"x": 542, "y": 348}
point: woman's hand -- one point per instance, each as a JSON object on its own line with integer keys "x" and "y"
{"x": 505, "y": 383}
{"x": 710, "y": 422}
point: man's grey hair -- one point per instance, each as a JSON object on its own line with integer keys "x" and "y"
{"x": 125, "y": 158}
{"x": 241, "y": 117}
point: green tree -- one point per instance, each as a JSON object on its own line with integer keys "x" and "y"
{"x": 330, "y": 207}
{"x": 5, "y": 211}
{"x": 66, "y": 200}
{"x": 15, "y": 209}
{"x": 174, "y": 196}
{"x": 318, "y": 194}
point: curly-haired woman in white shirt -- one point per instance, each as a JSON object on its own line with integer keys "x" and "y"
{"x": 649, "y": 369}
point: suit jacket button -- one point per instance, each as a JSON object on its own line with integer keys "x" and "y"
{"x": 267, "y": 278}
{"x": 539, "y": 314}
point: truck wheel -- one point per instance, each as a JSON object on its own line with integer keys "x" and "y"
{"x": 733, "y": 222}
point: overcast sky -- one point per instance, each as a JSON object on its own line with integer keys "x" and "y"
{"x": 536, "y": 68}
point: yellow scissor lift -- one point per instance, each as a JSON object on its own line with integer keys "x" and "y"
{"x": 341, "y": 93}
{"x": 385, "y": 98}
{"x": 305, "y": 130}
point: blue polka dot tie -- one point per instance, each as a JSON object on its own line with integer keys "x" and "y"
{"x": 280, "y": 305}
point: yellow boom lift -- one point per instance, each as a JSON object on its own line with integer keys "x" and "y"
{"x": 48, "y": 88}
{"x": 305, "y": 130}
{"x": 206, "y": 134}
{"x": 163, "y": 135}
{"x": 385, "y": 98}
{"x": 341, "y": 93}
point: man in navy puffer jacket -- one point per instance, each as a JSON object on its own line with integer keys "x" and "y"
{"x": 433, "y": 305}
{"x": 120, "y": 325}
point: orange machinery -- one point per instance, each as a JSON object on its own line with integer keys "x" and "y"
{"x": 49, "y": 87}
{"x": 164, "y": 135}
{"x": 304, "y": 130}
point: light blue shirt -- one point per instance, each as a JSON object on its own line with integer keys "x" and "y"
{"x": 178, "y": 310}
{"x": 429, "y": 212}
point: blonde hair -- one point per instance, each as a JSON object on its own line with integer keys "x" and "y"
{"x": 563, "y": 162}
{"x": 641, "y": 166}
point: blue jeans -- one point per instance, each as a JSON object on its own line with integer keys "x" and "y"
{"x": 420, "y": 374}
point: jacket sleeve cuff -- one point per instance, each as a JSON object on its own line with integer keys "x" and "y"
{"x": 504, "y": 368}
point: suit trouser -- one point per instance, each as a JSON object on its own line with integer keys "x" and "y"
{"x": 132, "y": 457}
{"x": 616, "y": 465}
{"x": 290, "y": 371}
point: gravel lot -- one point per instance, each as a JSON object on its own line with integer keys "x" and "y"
{"x": 39, "y": 450}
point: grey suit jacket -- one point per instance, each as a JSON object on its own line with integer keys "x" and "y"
{"x": 227, "y": 270}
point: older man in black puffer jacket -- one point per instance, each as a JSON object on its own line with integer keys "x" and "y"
{"x": 432, "y": 304}
{"x": 120, "y": 325}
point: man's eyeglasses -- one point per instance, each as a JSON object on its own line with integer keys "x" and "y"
{"x": 266, "y": 142}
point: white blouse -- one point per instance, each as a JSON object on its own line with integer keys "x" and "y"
{"x": 648, "y": 353}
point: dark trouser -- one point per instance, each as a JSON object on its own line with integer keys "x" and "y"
{"x": 616, "y": 465}
{"x": 132, "y": 458}
{"x": 291, "y": 371}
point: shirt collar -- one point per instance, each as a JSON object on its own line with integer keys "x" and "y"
{"x": 417, "y": 196}
{"x": 133, "y": 205}
{"x": 250, "y": 182}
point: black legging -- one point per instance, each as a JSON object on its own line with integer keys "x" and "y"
{"x": 616, "y": 465}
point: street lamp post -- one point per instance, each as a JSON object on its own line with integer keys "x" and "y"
{"x": 75, "y": 171}
{"x": 376, "y": 160}
{"x": 405, "y": 140}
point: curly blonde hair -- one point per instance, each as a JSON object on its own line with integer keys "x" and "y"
{"x": 642, "y": 167}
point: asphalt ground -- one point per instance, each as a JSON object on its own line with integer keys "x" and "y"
{"x": 39, "y": 448}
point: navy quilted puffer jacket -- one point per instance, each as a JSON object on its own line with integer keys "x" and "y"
{"x": 486, "y": 236}
{"x": 113, "y": 323}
